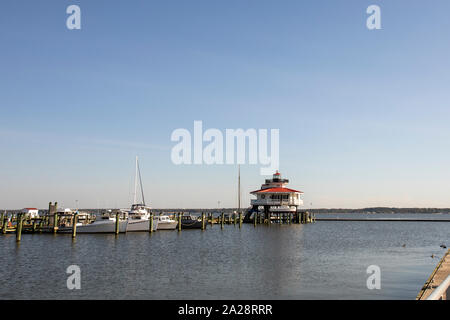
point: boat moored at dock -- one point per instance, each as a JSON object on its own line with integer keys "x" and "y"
{"x": 139, "y": 218}
{"x": 102, "y": 226}
{"x": 190, "y": 222}
{"x": 165, "y": 222}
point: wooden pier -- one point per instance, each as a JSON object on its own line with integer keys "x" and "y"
{"x": 437, "y": 277}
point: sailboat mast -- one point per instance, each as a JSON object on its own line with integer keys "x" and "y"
{"x": 239, "y": 188}
{"x": 140, "y": 182}
{"x": 135, "y": 181}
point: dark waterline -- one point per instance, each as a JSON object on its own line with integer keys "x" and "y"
{"x": 325, "y": 260}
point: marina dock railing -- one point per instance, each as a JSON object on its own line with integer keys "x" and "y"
{"x": 442, "y": 292}
{"x": 437, "y": 285}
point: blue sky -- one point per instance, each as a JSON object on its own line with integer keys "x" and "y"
{"x": 363, "y": 115}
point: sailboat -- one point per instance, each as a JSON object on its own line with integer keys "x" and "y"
{"x": 139, "y": 214}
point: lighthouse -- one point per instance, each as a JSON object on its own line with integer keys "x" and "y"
{"x": 275, "y": 199}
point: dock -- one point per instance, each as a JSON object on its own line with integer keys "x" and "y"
{"x": 437, "y": 287}
{"x": 54, "y": 221}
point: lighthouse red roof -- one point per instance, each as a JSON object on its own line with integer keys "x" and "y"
{"x": 276, "y": 190}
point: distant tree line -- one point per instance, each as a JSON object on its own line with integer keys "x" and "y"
{"x": 330, "y": 210}
{"x": 383, "y": 210}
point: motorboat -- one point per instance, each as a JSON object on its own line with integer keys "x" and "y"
{"x": 103, "y": 226}
{"x": 190, "y": 222}
{"x": 165, "y": 223}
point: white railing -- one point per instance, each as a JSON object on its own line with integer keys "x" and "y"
{"x": 441, "y": 292}
{"x": 269, "y": 202}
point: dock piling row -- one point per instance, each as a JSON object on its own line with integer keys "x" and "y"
{"x": 57, "y": 222}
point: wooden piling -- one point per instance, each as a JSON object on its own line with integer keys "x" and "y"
{"x": 151, "y": 223}
{"x": 255, "y": 218}
{"x": 34, "y": 225}
{"x": 41, "y": 224}
{"x": 212, "y": 219}
{"x": 117, "y": 229}
{"x": 240, "y": 220}
{"x": 203, "y": 221}
{"x": 55, "y": 223}
{"x": 5, "y": 223}
{"x": 1, "y": 218}
{"x": 74, "y": 225}
{"x": 222, "y": 220}
{"x": 234, "y": 217}
{"x": 19, "y": 227}
{"x": 179, "y": 221}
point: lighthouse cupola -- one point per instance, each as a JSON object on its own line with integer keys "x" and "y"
{"x": 276, "y": 175}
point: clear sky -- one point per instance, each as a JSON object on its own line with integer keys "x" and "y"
{"x": 363, "y": 115}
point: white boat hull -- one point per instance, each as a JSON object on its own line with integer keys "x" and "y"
{"x": 163, "y": 225}
{"x": 136, "y": 225}
{"x": 103, "y": 226}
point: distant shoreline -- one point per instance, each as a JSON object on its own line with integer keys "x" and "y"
{"x": 384, "y": 210}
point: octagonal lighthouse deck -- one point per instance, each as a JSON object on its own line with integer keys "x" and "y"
{"x": 274, "y": 198}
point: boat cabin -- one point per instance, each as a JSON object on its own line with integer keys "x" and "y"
{"x": 31, "y": 212}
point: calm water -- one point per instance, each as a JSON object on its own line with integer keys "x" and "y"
{"x": 325, "y": 260}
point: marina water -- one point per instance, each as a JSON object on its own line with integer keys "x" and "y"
{"x": 325, "y": 260}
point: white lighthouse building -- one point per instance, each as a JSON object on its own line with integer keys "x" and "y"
{"x": 274, "y": 197}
